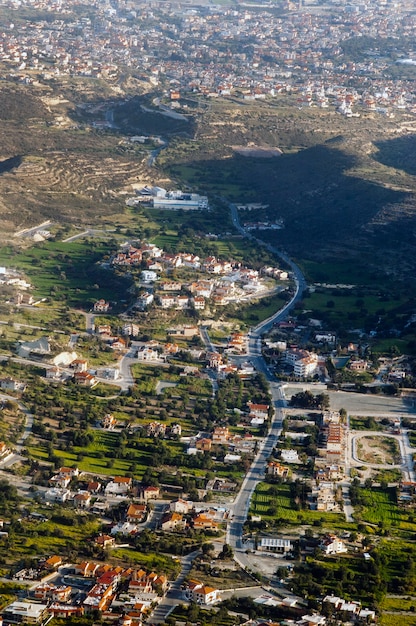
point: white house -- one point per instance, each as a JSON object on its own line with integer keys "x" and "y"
{"x": 290, "y": 456}
{"x": 331, "y": 544}
{"x": 57, "y": 495}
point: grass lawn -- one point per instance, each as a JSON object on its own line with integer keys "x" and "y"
{"x": 257, "y": 311}
{"x": 160, "y": 563}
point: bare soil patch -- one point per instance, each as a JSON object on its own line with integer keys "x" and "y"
{"x": 262, "y": 152}
{"x": 381, "y": 450}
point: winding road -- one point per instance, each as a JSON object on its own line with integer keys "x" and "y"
{"x": 241, "y": 504}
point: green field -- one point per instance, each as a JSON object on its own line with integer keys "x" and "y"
{"x": 393, "y": 620}
{"x": 67, "y": 272}
{"x": 159, "y": 562}
{"x": 284, "y": 511}
{"x": 399, "y": 604}
{"x": 380, "y": 507}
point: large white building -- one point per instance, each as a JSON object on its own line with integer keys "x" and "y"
{"x": 177, "y": 199}
{"x": 304, "y": 363}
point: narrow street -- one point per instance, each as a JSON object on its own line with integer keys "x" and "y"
{"x": 174, "y": 596}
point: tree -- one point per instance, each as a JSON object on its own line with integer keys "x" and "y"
{"x": 226, "y": 552}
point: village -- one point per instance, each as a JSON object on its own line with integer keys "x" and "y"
{"x": 151, "y": 438}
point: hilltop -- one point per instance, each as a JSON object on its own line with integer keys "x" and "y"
{"x": 344, "y": 188}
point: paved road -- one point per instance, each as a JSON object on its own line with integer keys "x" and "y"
{"x": 126, "y": 362}
{"x": 27, "y": 232}
{"x": 174, "y": 596}
{"x": 240, "y": 507}
{"x": 241, "y": 504}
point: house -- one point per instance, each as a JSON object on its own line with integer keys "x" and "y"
{"x": 155, "y": 429}
{"x": 94, "y": 487}
{"x": 104, "y": 329}
{"x": 146, "y": 353}
{"x": 148, "y": 276}
{"x": 198, "y": 303}
{"x": 57, "y": 495}
{"x": 43, "y": 591}
{"x": 204, "y": 444}
{"x": 200, "y": 593}
{"x": 220, "y": 435}
{"x": 258, "y": 410}
{"x": 214, "y": 360}
{"x": 82, "y": 500}
{"x": 144, "y": 300}
{"x": 331, "y": 544}
{"x": 358, "y": 365}
{"x": 323, "y": 498}
{"x": 64, "y": 611}
{"x": 108, "y": 421}
{"x": 23, "y": 298}
{"x": 182, "y": 302}
{"x": 61, "y": 594}
{"x": 84, "y": 379}
{"x": 312, "y": 620}
{"x": 150, "y": 493}
{"x": 171, "y": 286}
{"x": 167, "y": 301}
{"x": 274, "y": 468}
{"x": 53, "y": 562}
{"x": 101, "y": 306}
{"x": 99, "y": 598}
{"x": 203, "y": 522}
{"x": 9, "y": 384}
{"x": 120, "y": 485}
{"x": 136, "y": 513}
{"x": 79, "y": 365}
{"x": 53, "y": 373}
{"x": 174, "y": 430}
{"x": 290, "y": 456}
{"x": 105, "y": 541}
{"x": 172, "y": 521}
{"x": 118, "y": 344}
{"x": 70, "y": 472}
{"x": 87, "y": 569}
{"x": 186, "y": 332}
{"x": 180, "y": 506}
{"x": 59, "y": 481}
{"x": 329, "y": 473}
{"x": 130, "y": 329}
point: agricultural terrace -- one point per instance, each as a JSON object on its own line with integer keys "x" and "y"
{"x": 378, "y": 507}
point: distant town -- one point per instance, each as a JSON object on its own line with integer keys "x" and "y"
{"x": 214, "y": 50}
